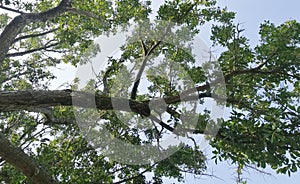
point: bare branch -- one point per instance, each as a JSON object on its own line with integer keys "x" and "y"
{"x": 11, "y": 9}
{"x": 31, "y": 51}
{"x": 161, "y": 123}
{"x": 145, "y": 50}
{"x": 34, "y": 35}
{"x": 144, "y": 62}
{"x": 258, "y": 170}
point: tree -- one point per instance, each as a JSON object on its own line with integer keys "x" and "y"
{"x": 41, "y": 141}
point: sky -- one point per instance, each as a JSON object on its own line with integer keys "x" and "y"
{"x": 250, "y": 14}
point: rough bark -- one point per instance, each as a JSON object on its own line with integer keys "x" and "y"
{"x": 26, "y": 100}
{"x": 17, "y": 158}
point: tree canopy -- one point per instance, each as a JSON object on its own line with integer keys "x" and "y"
{"x": 153, "y": 89}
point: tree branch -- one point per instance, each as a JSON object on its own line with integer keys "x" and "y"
{"x": 31, "y": 51}
{"x": 186, "y": 95}
{"x": 34, "y": 35}
{"x": 144, "y": 62}
{"x": 11, "y": 9}
{"x": 133, "y": 177}
{"x": 26, "y": 100}
{"x": 161, "y": 123}
{"x": 50, "y": 119}
{"x": 41, "y": 101}
{"x": 258, "y": 170}
{"x": 16, "y": 157}
{"x": 13, "y": 76}
{"x": 11, "y": 31}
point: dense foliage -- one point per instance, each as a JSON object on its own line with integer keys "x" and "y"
{"x": 41, "y": 142}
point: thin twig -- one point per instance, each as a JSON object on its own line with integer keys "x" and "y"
{"x": 34, "y": 35}
{"x": 11, "y": 9}
{"x": 30, "y": 51}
